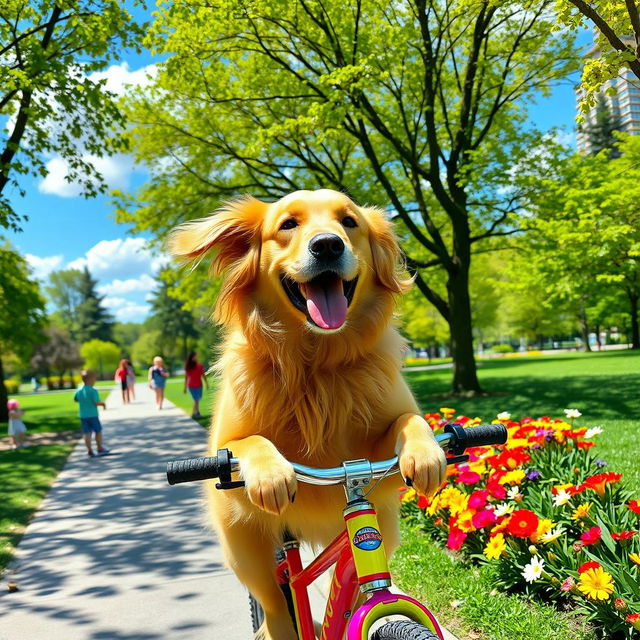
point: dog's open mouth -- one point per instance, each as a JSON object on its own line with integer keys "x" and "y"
{"x": 324, "y": 300}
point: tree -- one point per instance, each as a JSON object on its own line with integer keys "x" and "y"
{"x": 617, "y": 41}
{"x": 176, "y": 324}
{"x": 125, "y": 335}
{"x": 93, "y": 320}
{"x": 48, "y": 51}
{"x": 21, "y": 311}
{"x": 601, "y": 132}
{"x": 146, "y": 347}
{"x": 100, "y": 356}
{"x": 66, "y": 296}
{"x": 588, "y": 229}
{"x": 57, "y": 355}
{"x": 418, "y": 103}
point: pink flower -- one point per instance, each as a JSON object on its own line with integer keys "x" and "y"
{"x": 456, "y": 538}
{"x": 469, "y": 477}
{"x": 478, "y": 499}
{"x": 591, "y": 536}
{"x": 483, "y": 519}
{"x": 567, "y": 585}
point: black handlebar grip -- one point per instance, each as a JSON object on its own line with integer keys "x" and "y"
{"x": 486, "y": 434}
{"x": 190, "y": 469}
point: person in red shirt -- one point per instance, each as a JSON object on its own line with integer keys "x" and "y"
{"x": 121, "y": 377}
{"x": 193, "y": 377}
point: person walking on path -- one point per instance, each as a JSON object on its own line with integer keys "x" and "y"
{"x": 121, "y": 379}
{"x": 17, "y": 430}
{"x": 131, "y": 381}
{"x": 158, "y": 379}
{"x": 193, "y": 377}
{"x": 88, "y": 400}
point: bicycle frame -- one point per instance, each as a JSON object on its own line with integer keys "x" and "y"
{"x": 361, "y": 562}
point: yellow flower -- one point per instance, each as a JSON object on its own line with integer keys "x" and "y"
{"x": 453, "y": 499}
{"x": 434, "y": 506}
{"x": 516, "y": 443}
{"x": 596, "y": 584}
{"x": 409, "y": 495}
{"x": 544, "y": 525}
{"x": 478, "y": 466}
{"x": 495, "y": 547}
{"x": 512, "y": 477}
{"x": 635, "y": 557}
{"x": 447, "y": 412}
{"x": 581, "y": 511}
{"x": 464, "y": 521}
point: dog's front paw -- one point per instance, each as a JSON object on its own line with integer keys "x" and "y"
{"x": 423, "y": 465}
{"x": 270, "y": 485}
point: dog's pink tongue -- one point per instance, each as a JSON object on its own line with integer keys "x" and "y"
{"x": 326, "y": 304}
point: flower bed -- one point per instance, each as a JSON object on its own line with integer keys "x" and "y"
{"x": 545, "y": 510}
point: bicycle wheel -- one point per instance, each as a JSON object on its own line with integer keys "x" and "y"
{"x": 257, "y": 614}
{"x": 403, "y": 630}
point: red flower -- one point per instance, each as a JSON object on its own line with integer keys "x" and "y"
{"x": 483, "y": 519}
{"x": 634, "y": 505}
{"x": 469, "y": 477}
{"x": 523, "y": 523}
{"x": 634, "y": 619}
{"x": 423, "y": 502}
{"x": 585, "y": 445}
{"x": 478, "y": 499}
{"x": 591, "y": 536}
{"x": 623, "y": 535}
{"x": 496, "y": 490}
{"x": 456, "y": 538}
{"x": 600, "y": 480}
{"x": 588, "y": 565}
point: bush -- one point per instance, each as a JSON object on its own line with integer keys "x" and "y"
{"x": 502, "y": 348}
{"x": 12, "y": 386}
{"x": 69, "y": 382}
{"x": 542, "y": 509}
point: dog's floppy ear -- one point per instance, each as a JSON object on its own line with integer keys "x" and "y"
{"x": 229, "y": 232}
{"x": 386, "y": 253}
{"x": 232, "y": 233}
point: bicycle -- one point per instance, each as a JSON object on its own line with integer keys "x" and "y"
{"x": 358, "y": 552}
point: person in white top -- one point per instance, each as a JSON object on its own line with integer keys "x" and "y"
{"x": 17, "y": 430}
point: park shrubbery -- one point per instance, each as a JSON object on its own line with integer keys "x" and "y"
{"x": 547, "y": 513}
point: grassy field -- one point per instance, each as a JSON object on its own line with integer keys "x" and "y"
{"x": 27, "y": 474}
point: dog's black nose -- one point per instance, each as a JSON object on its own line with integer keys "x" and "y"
{"x": 326, "y": 247}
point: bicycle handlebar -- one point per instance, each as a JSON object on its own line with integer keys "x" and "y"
{"x": 455, "y": 439}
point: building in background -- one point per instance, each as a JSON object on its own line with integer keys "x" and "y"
{"x": 622, "y": 105}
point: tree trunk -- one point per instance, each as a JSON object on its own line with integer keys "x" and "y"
{"x": 584, "y": 327}
{"x": 4, "y": 412}
{"x": 465, "y": 379}
{"x": 635, "y": 330}
{"x": 598, "y": 341}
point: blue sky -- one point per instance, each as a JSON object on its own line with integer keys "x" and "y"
{"x": 65, "y": 230}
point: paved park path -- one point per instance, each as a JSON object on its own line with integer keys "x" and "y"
{"x": 114, "y": 553}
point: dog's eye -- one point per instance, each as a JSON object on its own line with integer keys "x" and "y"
{"x": 289, "y": 224}
{"x": 349, "y": 222}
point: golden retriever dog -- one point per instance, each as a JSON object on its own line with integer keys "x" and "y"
{"x": 309, "y": 372}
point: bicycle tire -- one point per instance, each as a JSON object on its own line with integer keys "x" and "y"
{"x": 257, "y": 614}
{"x": 403, "y": 630}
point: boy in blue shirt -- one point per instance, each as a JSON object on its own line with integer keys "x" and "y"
{"x": 88, "y": 400}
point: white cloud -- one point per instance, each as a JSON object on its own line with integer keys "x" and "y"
{"x": 125, "y": 310}
{"x": 126, "y": 258}
{"x": 115, "y": 170}
{"x": 144, "y": 283}
{"x": 119, "y": 77}
{"x": 42, "y": 267}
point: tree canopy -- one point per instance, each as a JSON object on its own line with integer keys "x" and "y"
{"x": 48, "y": 53}
{"x": 417, "y": 104}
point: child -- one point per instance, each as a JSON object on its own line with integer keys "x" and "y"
{"x": 121, "y": 377}
{"x": 157, "y": 379}
{"x": 89, "y": 400}
{"x": 193, "y": 377}
{"x": 17, "y": 430}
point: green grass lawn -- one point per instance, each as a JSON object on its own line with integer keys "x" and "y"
{"x": 27, "y": 474}
{"x": 173, "y": 391}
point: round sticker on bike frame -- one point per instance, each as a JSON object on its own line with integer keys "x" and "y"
{"x": 367, "y": 539}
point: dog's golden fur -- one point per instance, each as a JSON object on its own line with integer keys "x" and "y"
{"x": 290, "y": 390}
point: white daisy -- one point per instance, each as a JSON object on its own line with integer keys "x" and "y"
{"x": 505, "y": 415}
{"x": 503, "y": 509}
{"x": 533, "y": 570}
{"x": 514, "y": 493}
{"x": 572, "y": 413}
{"x": 562, "y": 497}
{"x": 594, "y": 431}
{"x": 552, "y": 535}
